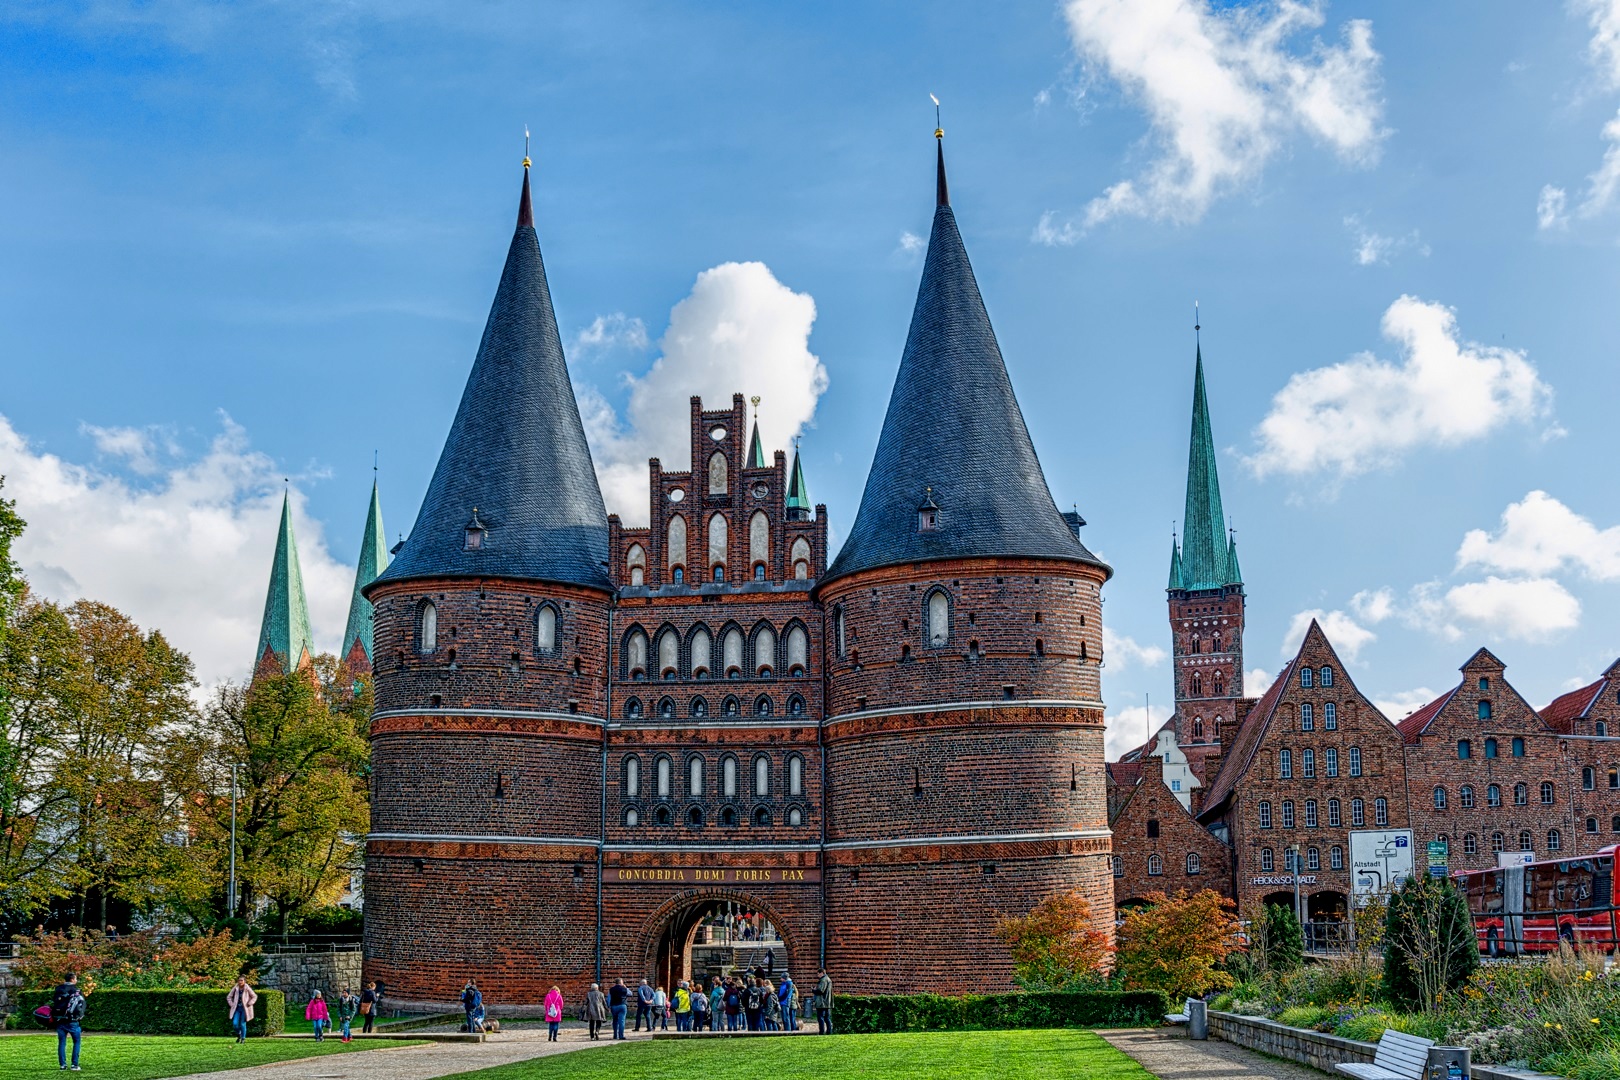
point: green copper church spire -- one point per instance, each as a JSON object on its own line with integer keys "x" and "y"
{"x": 798, "y": 496}
{"x": 284, "y": 633}
{"x": 1203, "y": 545}
{"x": 756, "y": 453}
{"x": 1177, "y": 576}
{"x": 373, "y": 561}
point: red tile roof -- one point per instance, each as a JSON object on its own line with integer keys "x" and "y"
{"x": 1565, "y": 709}
{"x": 1417, "y": 723}
{"x": 1247, "y": 740}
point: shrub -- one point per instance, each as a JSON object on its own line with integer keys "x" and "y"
{"x": 1496, "y": 1045}
{"x": 1429, "y": 943}
{"x": 174, "y": 1011}
{"x": 1175, "y": 944}
{"x": 1601, "y": 1064}
{"x": 1305, "y": 1016}
{"x": 869, "y": 1014}
{"x": 140, "y": 960}
{"x": 1057, "y": 946}
{"x": 1278, "y": 939}
{"x": 1367, "y": 1027}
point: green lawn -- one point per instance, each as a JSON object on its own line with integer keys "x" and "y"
{"x": 957, "y": 1055}
{"x": 148, "y": 1057}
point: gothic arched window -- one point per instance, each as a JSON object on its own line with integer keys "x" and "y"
{"x": 545, "y": 629}
{"x": 939, "y": 618}
{"x": 427, "y": 628}
{"x": 635, "y": 564}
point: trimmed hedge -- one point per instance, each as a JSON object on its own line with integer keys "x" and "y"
{"x": 881, "y": 1013}
{"x": 174, "y": 1011}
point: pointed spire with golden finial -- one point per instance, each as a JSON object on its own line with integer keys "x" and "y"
{"x": 525, "y": 207}
{"x": 942, "y": 193}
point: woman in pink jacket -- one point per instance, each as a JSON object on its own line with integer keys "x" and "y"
{"x": 239, "y": 1004}
{"x": 554, "y": 1012}
{"x": 316, "y": 1013}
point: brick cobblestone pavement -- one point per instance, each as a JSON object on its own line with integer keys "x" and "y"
{"x": 424, "y": 1062}
{"x": 1170, "y": 1055}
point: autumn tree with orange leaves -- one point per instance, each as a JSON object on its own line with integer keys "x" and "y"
{"x": 1175, "y": 944}
{"x": 1057, "y": 946}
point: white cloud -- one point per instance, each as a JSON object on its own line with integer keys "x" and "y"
{"x": 138, "y": 448}
{"x": 1257, "y": 681}
{"x": 609, "y": 332}
{"x": 1539, "y": 535}
{"x": 186, "y": 552}
{"x": 1047, "y": 231}
{"x": 1373, "y": 605}
{"x": 1399, "y": 704}
{"x": 1603, "y": 16}
{"x": 739, "y": 331}
{"x": 1551, "y": 212}
{"x": 1372, "y": 248}
{"x": 1129, "y": 728}
{"x": 1124, "y": 651}
{"x": 910, "y": 246}
{"x": 1347, "y": 636}
{"x": 1224, "y": 90}
{"x": 1365, "y": 413}
{"x": 1529, "y": 609}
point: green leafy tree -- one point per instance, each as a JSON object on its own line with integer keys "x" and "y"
{"x": 1429, "y": 944}
{"x": 1279, "y": 939}
{"x": 300, "y": 742}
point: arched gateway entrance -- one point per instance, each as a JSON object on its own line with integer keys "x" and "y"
{"x": 714, "y": 932}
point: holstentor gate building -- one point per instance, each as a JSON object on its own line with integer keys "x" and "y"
{"x": 587, "y": 735}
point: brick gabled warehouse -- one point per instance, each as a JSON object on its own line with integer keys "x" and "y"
{"x": 588, "y": 737}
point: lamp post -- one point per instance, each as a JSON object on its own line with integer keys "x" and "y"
{"x": 231, "y": 914}
{"x": 1299, "y": 912}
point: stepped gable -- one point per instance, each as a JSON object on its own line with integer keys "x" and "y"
{"x": 373, "y": 559}
{"x": 515, "y": 462}
{"x": 285, "y": 642}
{"x": 954, "y": 433}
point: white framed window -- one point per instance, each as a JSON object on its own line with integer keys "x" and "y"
{"x": 1285, "y": 764}
{"x": 1265, "y": 814}
{"x": 1358, "y": 813}
{"x": 1155, "y": 866}
{"x": 1335, "y": 818}
{"x": 1380, "y": 812}
{"x": 1307, "y": 763}
{"x": 1195, "y": 865}
{"x": 1330, "y": 713}
{"x": 1355, "y": 761}
{"x": 1307, "y": 717}
{"x": 1330, "y": 760}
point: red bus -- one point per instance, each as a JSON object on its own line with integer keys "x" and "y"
{"x": 1532, "y": 908}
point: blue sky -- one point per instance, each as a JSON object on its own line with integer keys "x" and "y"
{"x": 259, "y": 241}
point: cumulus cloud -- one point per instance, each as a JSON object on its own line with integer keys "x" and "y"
{"x": 1347, "y": 636}
{"x": 185, "y": 549}
{"x": 1257, "y": 681}
{"x": 1129, "y": 728}
{"x": 140, "y": 449}
{"x": 911, "y": 243}
{"x": 1125, "y": 651}
{"x": 1399, "y": 705}
{"x": 1540, "y": 535}
{"x": 1374, "y": 248}
{"x": 1525, "y": 609}
{"x": 607, "y": 333}
{"x": 1365, "y": 413}
{"x": 738, "y": 331}
{"x": 1224, "y": 90}
{"x": 1551, "y": 212}
{"x": 1373, "y": 605}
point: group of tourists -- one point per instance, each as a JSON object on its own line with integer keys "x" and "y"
{"x": 749, "y": 1002}
{"x": 348, "y": 1005}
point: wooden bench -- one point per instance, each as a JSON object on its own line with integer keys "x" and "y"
{"x": 1182, "y": 1017}
{"x": 1399, "y": 1057}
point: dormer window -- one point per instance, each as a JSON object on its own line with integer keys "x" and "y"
{"x": 928, "y": 513}
{"x": 475, "y": 533}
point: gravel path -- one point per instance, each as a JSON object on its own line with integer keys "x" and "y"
{"x": 1172, "y": 1056}
{"x": 423, "y": 1062}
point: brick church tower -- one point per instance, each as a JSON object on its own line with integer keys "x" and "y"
{"x": 490, "y": 665}
{"x": 1206, "y": 595}
{"x": 964, "y": 731}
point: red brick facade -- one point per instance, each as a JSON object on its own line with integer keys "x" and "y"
{"x": 565, "y": 779}
{"x": 1159, "y": 846}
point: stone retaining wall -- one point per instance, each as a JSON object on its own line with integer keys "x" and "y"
{"x": 1320, "y": 1050}
{"x": 299, "y": 974}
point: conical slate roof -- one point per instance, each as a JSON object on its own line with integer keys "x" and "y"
{"x": 284, "y": 630}
{"x": 1204, "y": 550}
{"x": 373, "y": 558}
{"x": 954, "y": 433}
{"x": 516, "y": 454}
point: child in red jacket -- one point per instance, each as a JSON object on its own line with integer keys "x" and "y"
{"x": 316, "y": 1013}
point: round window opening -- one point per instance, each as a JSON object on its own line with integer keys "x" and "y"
{"x": 676, "y": 494}
{"x": 761, "y": 490}
{"x": 717, "y": 433}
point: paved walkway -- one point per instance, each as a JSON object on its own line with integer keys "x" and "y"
{"x": 1172, "y": 1056}
{"x": 425, "y": 1062}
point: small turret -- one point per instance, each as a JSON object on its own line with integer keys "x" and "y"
{"x": 1177, "y": 576}
{"x": 798, "y": 495}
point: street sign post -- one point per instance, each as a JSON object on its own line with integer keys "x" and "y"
{"x": 1379, "y": 859}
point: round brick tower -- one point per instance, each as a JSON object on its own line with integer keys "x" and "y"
{"x": 964, "y": 730}
{"x": 489, "y": 654}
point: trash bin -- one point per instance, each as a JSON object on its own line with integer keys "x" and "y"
{"x": 1198, "y": 1020}
{"x": 1448, "y": 1063}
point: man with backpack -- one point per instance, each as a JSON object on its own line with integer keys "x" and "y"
{"x": 753, "y": 1004}
{"x": 67, "y": 1013}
